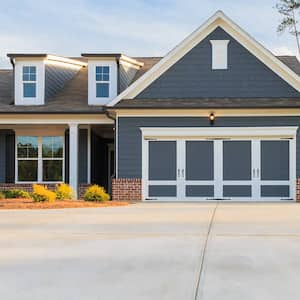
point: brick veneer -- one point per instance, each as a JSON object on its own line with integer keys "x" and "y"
{"x": 28, "y": 187}
{"x": 298, "y": 190}
{"x": 127, "y": 189}
{"x": 81, "y": 189}
{"x": 24, "y": 186}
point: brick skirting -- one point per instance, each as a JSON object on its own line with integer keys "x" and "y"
{"x": 298, "y": 190}
{"x": 126, "y": 189}
{"x": 28, "y": 187}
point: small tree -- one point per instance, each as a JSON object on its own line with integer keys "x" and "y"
{"x": 289, "y": 9}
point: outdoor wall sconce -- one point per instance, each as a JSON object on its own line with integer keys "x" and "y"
{"x": 211, "y": 118}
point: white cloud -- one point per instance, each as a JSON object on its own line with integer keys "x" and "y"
{"x": 149, "y": 27}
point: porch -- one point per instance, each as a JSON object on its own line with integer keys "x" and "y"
{"x": 70, "y": 149}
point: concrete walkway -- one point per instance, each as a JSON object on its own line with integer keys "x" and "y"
{"x": 152, "y": 251}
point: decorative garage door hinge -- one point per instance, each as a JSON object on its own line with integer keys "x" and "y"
{"x": 150, "y": 198}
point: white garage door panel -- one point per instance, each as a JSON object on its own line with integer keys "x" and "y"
{"x": 243, "y": 168}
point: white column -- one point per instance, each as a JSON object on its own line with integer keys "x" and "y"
{"x": 89, "y": 155}
{"x": 73, "y": 157}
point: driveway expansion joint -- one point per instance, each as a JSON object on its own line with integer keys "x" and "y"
{"x": 203, "y": 256}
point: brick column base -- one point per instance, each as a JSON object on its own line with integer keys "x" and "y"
{"x": 81, "y": 189}
{"x": 127, "y": 189}
{"x": 298, "y": 189}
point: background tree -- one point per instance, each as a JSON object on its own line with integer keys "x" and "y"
{"x": 289, "y": 10}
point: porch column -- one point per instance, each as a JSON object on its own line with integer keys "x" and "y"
{"x": 73, "y": 157}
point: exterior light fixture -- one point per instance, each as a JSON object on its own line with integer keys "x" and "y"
{"x": 212, "y": 118}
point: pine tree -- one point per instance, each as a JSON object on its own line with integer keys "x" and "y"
{"x": 289, "y": 9}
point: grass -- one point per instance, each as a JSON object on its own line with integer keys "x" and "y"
{"x": 58, "y": 204}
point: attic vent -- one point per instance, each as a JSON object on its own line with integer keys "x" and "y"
{"x": 219, "y": 54}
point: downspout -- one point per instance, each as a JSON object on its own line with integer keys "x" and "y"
{"x": 12, "y": 62}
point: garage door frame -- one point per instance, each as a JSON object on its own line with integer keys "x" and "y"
{"x": 217, "y": 133}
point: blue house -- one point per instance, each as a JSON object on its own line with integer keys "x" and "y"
{"x": 215, "y": 119}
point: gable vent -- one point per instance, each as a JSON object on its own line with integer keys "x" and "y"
{"x": 219, "y": 54}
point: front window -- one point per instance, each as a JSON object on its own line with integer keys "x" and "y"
{"x": 40, "y": 159}
{"x": 29, "y": 81}
{"x": 102, "y": 81}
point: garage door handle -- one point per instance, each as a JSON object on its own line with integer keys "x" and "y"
{"x": 182, "y": 173}
{"x": 178, "y": 173}
{"x": 253, "y": 171}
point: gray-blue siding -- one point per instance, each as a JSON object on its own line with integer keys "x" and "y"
{"x": 55, "y": 79}
{"x": 130, "y": 139}
{"x": 192, "y": 76}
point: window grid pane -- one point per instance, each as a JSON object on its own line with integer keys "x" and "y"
{"x": 27, "y": 147}
{"x": 29, "y": 73}
{"x": 102, "y": 73}
{"x": 52, "y": 147}
{"x": 29, "y": 90}
{"x": 27, "y": 170}
{"x": 52, "y": 170}
{"x": 102, "y": 90}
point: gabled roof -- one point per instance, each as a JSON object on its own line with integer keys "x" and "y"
{"x": 219, "y": 19}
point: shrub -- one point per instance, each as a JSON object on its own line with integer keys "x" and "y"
{"x": 95, "y": 193}
{"x": 42, "y": 194}
{"x": 16, "y": 193}
{"x": 2, "y": 195}
{"x": 64, "y": 191}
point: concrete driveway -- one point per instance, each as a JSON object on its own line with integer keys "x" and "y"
{"x": 152, "y": 251}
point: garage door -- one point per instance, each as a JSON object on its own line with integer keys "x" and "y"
{"x": 256, "y": 169}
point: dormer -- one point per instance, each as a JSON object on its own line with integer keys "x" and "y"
{"x": 108, "y": 75}
{"x": 39, "y": 76}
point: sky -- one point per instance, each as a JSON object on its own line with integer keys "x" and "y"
{"x": 132, "y": 27}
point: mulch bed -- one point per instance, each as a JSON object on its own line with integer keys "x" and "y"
{"x": 29, "y": 204}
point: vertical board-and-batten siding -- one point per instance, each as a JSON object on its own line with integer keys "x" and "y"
{"x": 130, "y": 137}
{"x": 126, "y": 75}
{"x": 56, "y": 77}
{"x": 192, "y": 76}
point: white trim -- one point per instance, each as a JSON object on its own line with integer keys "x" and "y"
{"x": 221, "y": 132}
{"x": 32, "y": 119}
{"x": 39, "y": 98}
{"x": 92, "y": 82}
{"x": 205, "y": 112}
{"x": 218, "y": 19}
{"x": 89, "y": 156}
{"x": 73, "y": 156}
{"x": 39, "y": 158}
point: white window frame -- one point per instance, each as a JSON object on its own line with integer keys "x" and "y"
{"x": 219, "y": 54}
{"x": 113, "y": 81}
{"x": 40, "y": 160}
{"x": 29, "y": 81}
{"x": 40, "y": 82}
{"x": 103, "y": 81}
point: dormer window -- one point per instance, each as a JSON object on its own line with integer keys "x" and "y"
{"x": 29, "y": 81}
{"x": 102, "y": 81}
